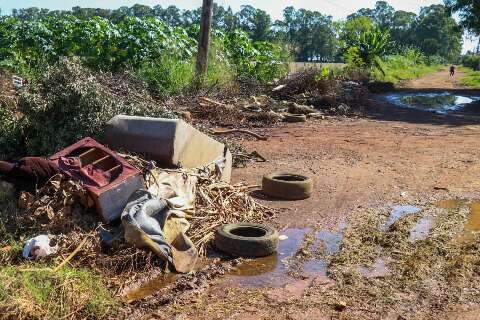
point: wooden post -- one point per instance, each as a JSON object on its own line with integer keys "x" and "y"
{"x": 204, "y": 40}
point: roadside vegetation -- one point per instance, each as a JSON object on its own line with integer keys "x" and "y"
{"x": 471, "y": 78}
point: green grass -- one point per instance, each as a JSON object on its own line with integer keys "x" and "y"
{"x": 471, "y": 78}
{"x": 30, "y": 290}
{"x": 397, "y": 68}
{"x": 33, "y": 292}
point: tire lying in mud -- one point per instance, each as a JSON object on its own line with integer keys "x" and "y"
{"x": 287, "y": 186}
{"x": 246, "y": 239}
{"x": 295, "y": 118}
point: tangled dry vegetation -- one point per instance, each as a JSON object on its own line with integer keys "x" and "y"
{"x": 325, "y": 93}
{"x": 425, "y": 277}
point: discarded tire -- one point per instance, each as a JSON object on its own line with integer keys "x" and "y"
{"x": 295, "y": 118}
{"x": 287, "y": 186}
{"x": 246, "y": 239}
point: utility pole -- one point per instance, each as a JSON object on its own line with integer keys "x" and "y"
{"x": 204, "y": 40}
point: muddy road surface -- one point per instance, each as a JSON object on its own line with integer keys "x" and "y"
{"x": 390, "y": 157}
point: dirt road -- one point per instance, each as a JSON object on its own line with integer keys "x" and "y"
{"x": 439, "y": 80}
{"x": 392, "y": 156}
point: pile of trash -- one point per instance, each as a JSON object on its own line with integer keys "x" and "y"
{"x": 302, "y": 93}
{"x": 121, "y": 215}
{"x": 329, "y": 94}
{"x": 237, "y": 113}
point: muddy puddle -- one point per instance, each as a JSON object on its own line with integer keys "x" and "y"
{"x": 397, "y": 212}
{"x": 150, "y": 287}
{"x": 472, "y": 225}
{"x": 378, "y": 269}
{"x": 304, "y": 252}
{"x": 442, "y": 103}
{"x": 275, "y": 270}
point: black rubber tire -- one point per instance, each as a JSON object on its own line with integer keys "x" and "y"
{"x": 287, "y": 186}
{"x": 295, "y": 118}
{"x": 263, "y": 240}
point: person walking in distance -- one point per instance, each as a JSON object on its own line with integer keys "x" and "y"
{"x": 452, "y": 71}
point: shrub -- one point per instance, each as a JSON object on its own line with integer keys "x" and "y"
{"x": 10, "y": 133}
{"x": 69, "y": 103}
{"x": 42, "y": 294}
{"x": 168, "y": 75}
{"x": 471, "y": 61}
{"x": 263, "y": 61}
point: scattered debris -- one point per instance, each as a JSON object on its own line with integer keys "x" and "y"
{"x": 150, "y": 222}
{"x": 220, "y": 203}
{"x": 71, "y": 255}
{"x": 170, "y": 142}
{"x": 287, "y": 186}
{"x": 29, "y": 173}
{"x": 38, "y": 247}
{"x": 295, "y": 108}
{"x": 295, "y": 118}
{"x": 256, "y": 135}
{"x": 107, "y": 177}
{"x": 246, "y": 239}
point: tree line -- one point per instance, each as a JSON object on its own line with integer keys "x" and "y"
{"x": 309, "y": 35}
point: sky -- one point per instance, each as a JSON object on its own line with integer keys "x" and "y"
{"x": 339, "y": 9}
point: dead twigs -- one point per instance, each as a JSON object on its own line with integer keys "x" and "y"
{"x": 219, "y": 203}
{"x": 256, "y": 135}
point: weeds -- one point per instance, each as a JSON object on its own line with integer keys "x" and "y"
{"x": 471, "y": 78}
{"x": 28, "y": 292}
{"x": 396, "y": 68}
{"x": 442, "y": 267}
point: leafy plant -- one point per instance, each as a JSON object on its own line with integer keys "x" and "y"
{"x": 69, "y": 103}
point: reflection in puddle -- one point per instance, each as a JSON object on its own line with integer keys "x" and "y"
{"x": 472, "y": 226}
{"x": 473, "y": 222}
{"x": 421, "y": 229}
{"x": 273, "y": 271}
{"x": 150, "y": 287}
{"x": 435, "y": 102}
{"x": 378, "y": 269}
{"x": 331, "y": 240}
{"x": 398, "y": 212}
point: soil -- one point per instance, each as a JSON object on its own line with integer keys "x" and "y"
{"x": 439, "y": 80}
{"x": 390, "y": 156}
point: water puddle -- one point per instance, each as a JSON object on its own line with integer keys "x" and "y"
{"x": 150, "y": 287}
{"x": 422, "y": 228}
{"x": 398, "y": 212}
{"x": 271, "y": 270}
{"x": 276, "y": 270}
{"x": 376, "y": 270}
{"x": 435, "y": 102}
{"x": 330, "y": 239}
{"x": 472, "y": 226}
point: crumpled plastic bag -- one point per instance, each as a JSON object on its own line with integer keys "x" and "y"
{"x": 38, "y": 247}
{"x": 149, "y": 222}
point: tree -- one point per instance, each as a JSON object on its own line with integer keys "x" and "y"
{"x": 437, "y": 33}
{"x": 382, "y": 14}
{"x": 469, "y": 12}
{"x": 311, "y": 34}
{"x": 401, "y": 26}
{"x": 257, "y": 23}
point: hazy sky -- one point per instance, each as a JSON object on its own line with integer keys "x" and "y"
{"x": 339, "y": 9}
